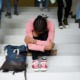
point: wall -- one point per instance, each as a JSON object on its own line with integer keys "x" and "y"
{"x": 27, "y": 3}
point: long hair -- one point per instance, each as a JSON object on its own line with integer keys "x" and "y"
{"x": 40, "y": 24}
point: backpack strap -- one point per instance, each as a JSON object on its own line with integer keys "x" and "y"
{"x": 25, "y": 74}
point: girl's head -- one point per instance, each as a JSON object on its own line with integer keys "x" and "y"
{"x": 40, "y": 24}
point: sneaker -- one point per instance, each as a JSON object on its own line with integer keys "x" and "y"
{"x": 16, "y": 13}
{"x": 60, "y": 25}
{"x": 43, "y": 65}
{"x": 65, "y": 23}
{"x": 8, "y": 14}
{"x": 35, "y": 65}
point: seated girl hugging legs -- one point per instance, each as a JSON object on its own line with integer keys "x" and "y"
{"x": 40, "y": 38}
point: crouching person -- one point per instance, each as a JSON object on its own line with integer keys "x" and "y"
{"x": 40, "y": 39}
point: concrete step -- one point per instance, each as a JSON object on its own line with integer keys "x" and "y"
{"x": 31, "y": 14}
{"x": 22, "y": 31}
{"x": 62, "y": 49}
{"x": 42, "y": 76}
{"x": 66, "y": 62}
{"x": 58, "y": 39}
{"x": 57, "y": 72}
{"x": 34, "y": 9}
{"x": 55, "y": 63}
{"x": 25, "y": 19}
{"x": 13, "y": 24}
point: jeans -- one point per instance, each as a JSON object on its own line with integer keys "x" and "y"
{"x": 15, "y": 5}
{"x": 9, "y": 7}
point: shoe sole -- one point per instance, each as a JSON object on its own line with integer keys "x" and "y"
{"x": 43, "y": 70}
{"x": 61, "y": 27}
{"x": 36, "y": 70}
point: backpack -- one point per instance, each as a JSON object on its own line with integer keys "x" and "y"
{"x": 15, "y": 59}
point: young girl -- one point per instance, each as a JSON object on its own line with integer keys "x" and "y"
{"x": 40, "y": 38}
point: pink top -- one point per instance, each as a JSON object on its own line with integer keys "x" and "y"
{"x": 39, "y": 46}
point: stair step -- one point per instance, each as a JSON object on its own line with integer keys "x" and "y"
{"x": 62, "y": 49}
{"x": 30, "y": 15}
{"x": 35, "y": 9}
{"x": 55, "y": 63}
{"x": 24, "y": 19}
{"x": 15, "y": 31}
{"x": 23, "y": 25}
{"x": 58, "y": 39}
{"x": 42, "y": 76}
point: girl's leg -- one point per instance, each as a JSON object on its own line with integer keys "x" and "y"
{"x": 34, "y": 54}
{"x": 35, "y": 64}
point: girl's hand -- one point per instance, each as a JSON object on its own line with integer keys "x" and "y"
{"x": 49, "y": 47}
{"x": 28, "y": 40}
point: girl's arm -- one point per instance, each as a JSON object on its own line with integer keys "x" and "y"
{"x": 51, "y": 35}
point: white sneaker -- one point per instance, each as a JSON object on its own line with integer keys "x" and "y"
{"x": 61, "y": 27}
{"x": 66, "y": 26}
{"x": 65, "y": 22}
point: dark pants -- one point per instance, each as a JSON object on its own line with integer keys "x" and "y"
{"x": 34, "y": 53}
{"x": 61, "y": 7}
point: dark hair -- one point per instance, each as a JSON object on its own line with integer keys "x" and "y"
{"x": 40, "y": 24}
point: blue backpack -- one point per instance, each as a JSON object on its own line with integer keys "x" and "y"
{"x": 15, "y": 59}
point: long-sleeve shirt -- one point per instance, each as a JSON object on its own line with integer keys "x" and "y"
{"x": 39, "y": 46}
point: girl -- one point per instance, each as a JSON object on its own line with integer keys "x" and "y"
{"x": 40, "y": 37}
